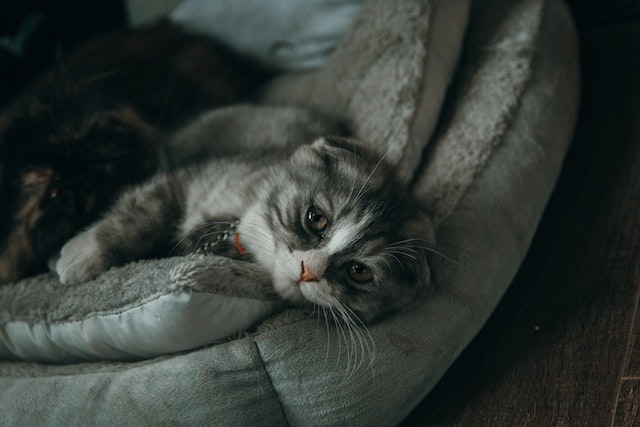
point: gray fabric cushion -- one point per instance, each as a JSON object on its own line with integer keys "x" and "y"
{"x": 500, "y": 167}
{"x": 389, "y": 77}
{"x": 140, "y": 310}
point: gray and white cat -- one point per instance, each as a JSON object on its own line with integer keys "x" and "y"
{"x": 328, "y": 220}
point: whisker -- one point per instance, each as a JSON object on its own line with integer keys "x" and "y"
{"x": 326, "y": 324}
{"x": 362, "y": 327}
{"x": 198, "y": 229}
{"x": 370, "y": 175}
{"x": 406, "y": 254}
{"x": 443, "y": 256}
{"x": 354, "y": 333}
{"x": 340, "y": 330}
{"x": 388, "y": 266}
{"x": 358, "y": 340}
{"x": 400, "y": 242}
{"x": 397, "y": 260}
{"x": 425, "y": 248}
{"x": 349, "y": 328}
{"x": 353, "y": 181}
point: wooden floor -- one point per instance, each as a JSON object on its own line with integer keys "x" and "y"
{"x": 563, "y": 347}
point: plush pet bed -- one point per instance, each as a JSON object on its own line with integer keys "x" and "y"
{"x": 474, "y": 102}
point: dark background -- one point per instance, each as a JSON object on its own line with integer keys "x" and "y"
{"x": 563, "y": 346}
{"x": 32, "y": 31}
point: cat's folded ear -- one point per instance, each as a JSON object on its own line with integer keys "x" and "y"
{"x": 326, "y": 151}
{"x": 418, "y": 241}
{"x": 421, "y": 226}
{"x": 419, "y": 229}
{"x": 334, "y": 143}
{"x": 345, "y": 148}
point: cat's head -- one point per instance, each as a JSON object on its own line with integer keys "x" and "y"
{"x": 58, "y": 171}
{"x": 338, "y": 230}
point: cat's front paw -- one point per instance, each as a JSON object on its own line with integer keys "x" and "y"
{"x": 81, "y": 259}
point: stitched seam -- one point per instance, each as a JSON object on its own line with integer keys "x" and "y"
{"x": 272, "y": 387}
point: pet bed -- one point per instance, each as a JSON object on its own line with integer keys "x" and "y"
{"x": 475, "y": 103}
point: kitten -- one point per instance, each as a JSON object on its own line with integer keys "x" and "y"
{"x": 328, "y": 220}
{"x": 94, "y": 125}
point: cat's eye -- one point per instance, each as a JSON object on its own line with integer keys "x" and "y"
{"x": 53, "y": 192}
{"x": 50, "y": 195}
{"x": 317, "y": 220}
{"x": 359, "y": 272}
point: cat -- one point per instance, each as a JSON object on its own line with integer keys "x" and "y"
{"x": 56, "y": 176}
{"x": 328, "y": 220}
{"x": 95, "y": 125}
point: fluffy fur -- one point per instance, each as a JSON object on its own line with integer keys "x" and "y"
{"x": 328, "y": 220}
{"x": 94, "y": 124}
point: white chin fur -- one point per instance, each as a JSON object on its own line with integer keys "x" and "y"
{"x": 256, "y": 237}
{"x": 287, "y": 288}
{"x": 318, "y": 292}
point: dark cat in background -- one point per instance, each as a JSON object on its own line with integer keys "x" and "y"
{"x": 94, "y": 125}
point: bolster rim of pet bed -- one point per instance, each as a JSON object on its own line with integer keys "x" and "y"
{"x": 482, "y": 155}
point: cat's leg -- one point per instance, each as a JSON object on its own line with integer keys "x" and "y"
{"x": 141, "y": 224}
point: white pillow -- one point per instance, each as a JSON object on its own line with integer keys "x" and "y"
{"x": 141, "y": 310}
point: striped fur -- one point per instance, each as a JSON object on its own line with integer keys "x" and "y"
{"x": 371, "y": 230}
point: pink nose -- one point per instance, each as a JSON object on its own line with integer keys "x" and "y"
{"x": 306, "y": 274}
